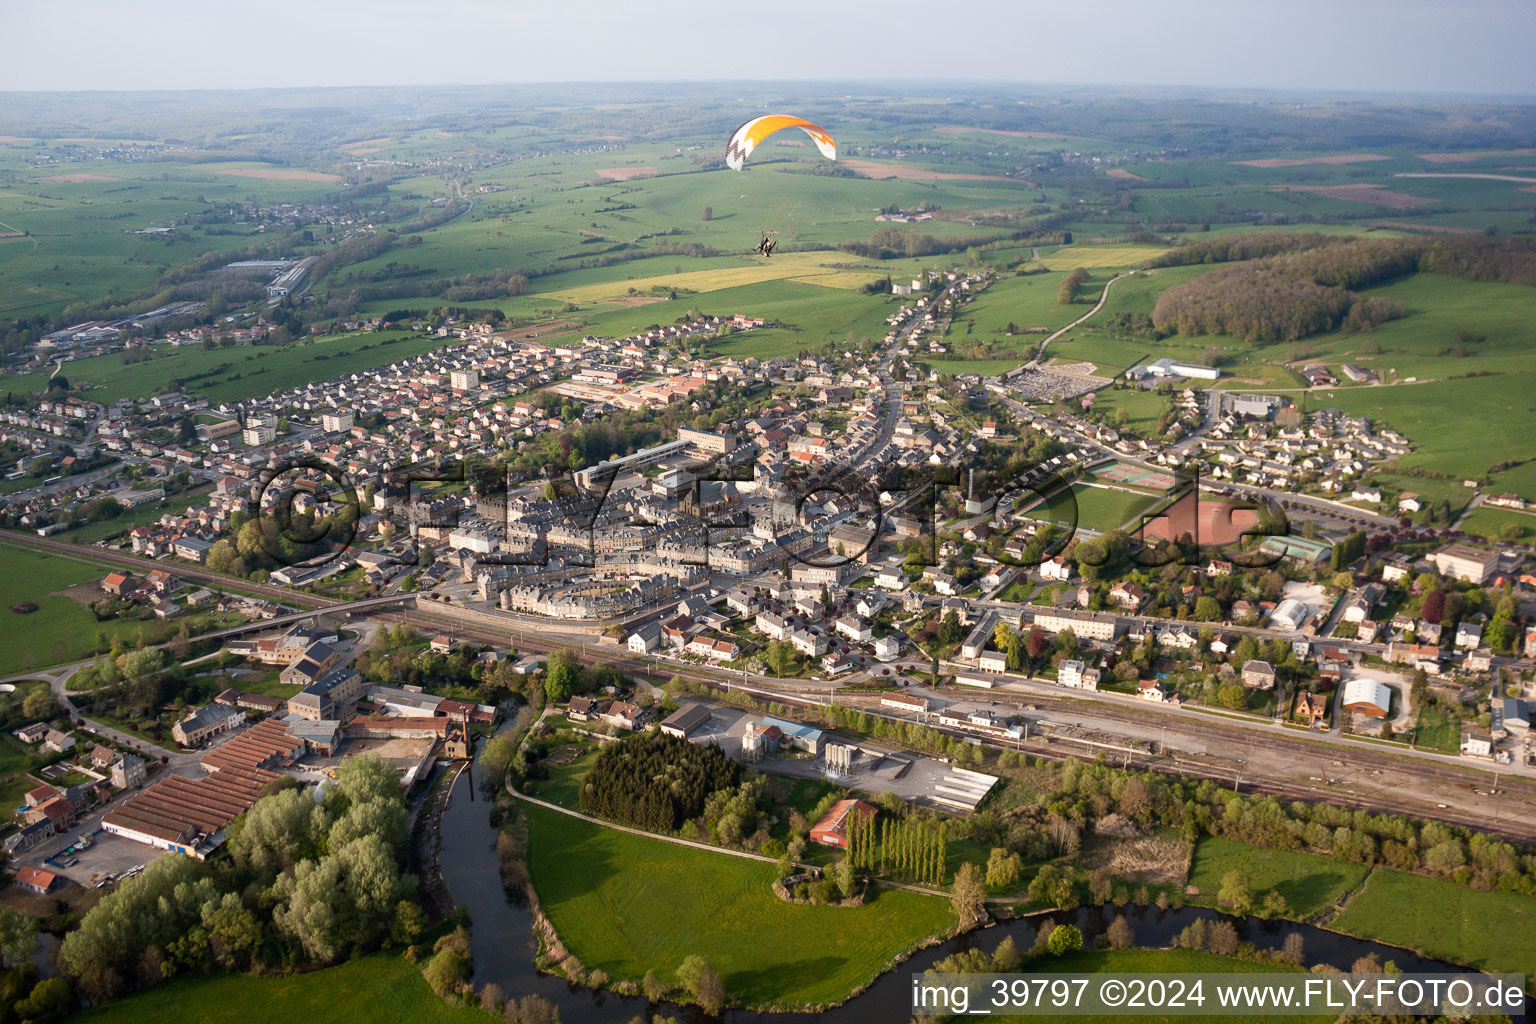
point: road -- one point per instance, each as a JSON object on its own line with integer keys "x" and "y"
{"x": 1040, "y": 353}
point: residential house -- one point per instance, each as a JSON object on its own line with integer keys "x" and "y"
{"x": 645, "y": 639}
{"x": 1258, "y": 675}
{"x": 1312, "y": 708}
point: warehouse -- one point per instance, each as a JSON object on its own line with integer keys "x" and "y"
{"x": 188, "y": 816}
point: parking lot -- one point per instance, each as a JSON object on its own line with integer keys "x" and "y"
{"x": 873, "y": 770}
{"x": 108, "y": 854}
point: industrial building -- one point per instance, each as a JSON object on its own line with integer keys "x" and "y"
{"x": 188, "y": 816}
{"x": 685, "y": 720}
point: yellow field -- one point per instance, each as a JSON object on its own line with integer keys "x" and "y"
{"x": 1071, "y": 257}
{"x": 801, "y": 267}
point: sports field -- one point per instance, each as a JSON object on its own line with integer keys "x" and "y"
{"x": 597, "y": 885}
{"x": 1098, "y": 508}
{"x": 1136, "y": 476}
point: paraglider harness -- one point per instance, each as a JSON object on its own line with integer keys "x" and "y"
{"x": 766, "y": 246}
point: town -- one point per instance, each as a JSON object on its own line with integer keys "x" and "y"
{"x": 445, "y": 564}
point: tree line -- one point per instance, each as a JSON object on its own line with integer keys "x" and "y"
{"x": 306, "y": 884}
{"x": 911, "y": 848}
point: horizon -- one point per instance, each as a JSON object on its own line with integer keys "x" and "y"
{"x": 1218, "y": 93}
{"x": 1373, "y": 46}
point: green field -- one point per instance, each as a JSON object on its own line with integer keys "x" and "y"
{"x": 1026, "y": 302}
{"x": 241, "y": 371}
{"x": 599, "y": 888}
{"x": 382, "y": 989}
{"x": 1459, "y": 427}
{"x": 1309, "y": 884}
{"x": 1142, "y": 409}
{"x": 29, "y": 576}
{"x": 1492, "y": 931}
{"x": 62, "y": 629}
{"x": 1438, "y": 731}
{"x": 563, "y": 787}
{"x": 1098, "y": 508}
{"x": 1491, "y": 523}
{"x": 84, "y": 234}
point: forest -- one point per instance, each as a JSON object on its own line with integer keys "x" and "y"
{"x": 655, "y": 782}
{"x": 1282, "y": 287}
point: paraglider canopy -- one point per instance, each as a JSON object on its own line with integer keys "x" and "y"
{"x": 746, "y": 138}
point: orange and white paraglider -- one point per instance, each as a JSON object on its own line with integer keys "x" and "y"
{"x": 746, "y": 138}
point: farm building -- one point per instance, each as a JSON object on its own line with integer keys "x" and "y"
{"x": 832, "y": 829}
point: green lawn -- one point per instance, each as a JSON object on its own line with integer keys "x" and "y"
{"x": 1098, "y": 508}
{"x": 563, "y": 787}
{"x": 627, "y": 904}
{"x": 1142, "y": 409}
{"x": 1491, "y": 523}
{"x": 1309, "y": 884}
{"x": 1438, "y": 731}
{"x": 381, "y": 989}
{"x": 1492, "y": 931}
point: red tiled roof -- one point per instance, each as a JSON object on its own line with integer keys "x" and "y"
{"x": 40, "y": 877}
{"x": 254, "y": 748}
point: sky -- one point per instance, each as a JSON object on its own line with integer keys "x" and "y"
{"x": 1450, "y": 46}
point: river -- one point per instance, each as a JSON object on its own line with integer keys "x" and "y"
{"x": 503, "y": 941}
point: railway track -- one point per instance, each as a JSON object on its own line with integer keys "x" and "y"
{"x": 1517, "y": 793}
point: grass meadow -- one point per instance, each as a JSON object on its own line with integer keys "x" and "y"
{"x": 62, "y": 629}
{"x": 238, "y": 372}
{"x": 1309, "y": 884}
{"x": 598, "y": 887}
{"x": 381, "y": 989}
{"x": 1492, "y": 931}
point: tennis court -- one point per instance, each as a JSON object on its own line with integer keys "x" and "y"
{"x": 1135, "y": 476}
